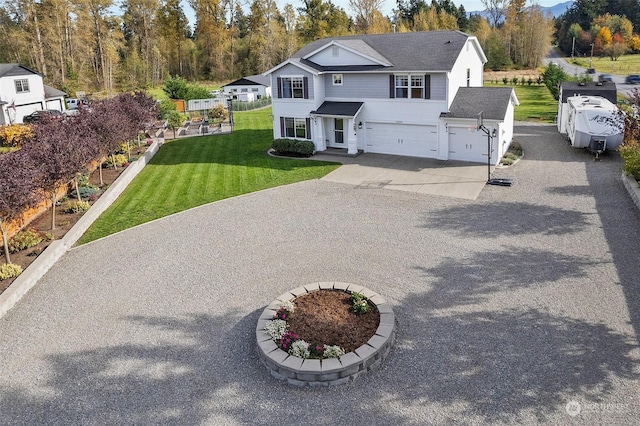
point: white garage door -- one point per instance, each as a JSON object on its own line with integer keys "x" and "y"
{"x": 467, "y": 145}
{"x": 402, "y": 139}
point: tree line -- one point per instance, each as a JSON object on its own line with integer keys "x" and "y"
{"x": 93, "y": 45}
{"x": 599, "y": 28}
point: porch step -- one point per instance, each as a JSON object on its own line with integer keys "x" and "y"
{"x": 339, "y": 152}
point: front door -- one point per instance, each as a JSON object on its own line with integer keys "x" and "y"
{"x": 338, "y": 131}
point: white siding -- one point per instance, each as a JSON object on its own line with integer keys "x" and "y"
{"x": 262, "y": 91}
{"x": 469, "y": 59}
{"x": 25, "y": 102}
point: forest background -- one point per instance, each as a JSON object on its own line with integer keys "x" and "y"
{"x": 105, "y": 47}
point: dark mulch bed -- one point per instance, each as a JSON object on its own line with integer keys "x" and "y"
{"x": 325, "y": 317}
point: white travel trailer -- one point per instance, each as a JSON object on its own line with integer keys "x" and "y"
{"x": 593, "y": 123}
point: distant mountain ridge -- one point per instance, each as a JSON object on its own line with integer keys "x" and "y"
{"x": 555, "y": 11}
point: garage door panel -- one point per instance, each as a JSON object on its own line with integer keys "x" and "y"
{"x": 402, "y": 139}
{"x": 466, "y": 145}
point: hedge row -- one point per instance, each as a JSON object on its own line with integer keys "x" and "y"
{"x": 293, "y": 146}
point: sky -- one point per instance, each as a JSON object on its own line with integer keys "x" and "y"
{"x": 387, "y": 6}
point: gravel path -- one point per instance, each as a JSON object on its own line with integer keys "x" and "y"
{"x": 509, "y": 307}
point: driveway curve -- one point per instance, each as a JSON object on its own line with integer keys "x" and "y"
{"x": 518, "y": 307}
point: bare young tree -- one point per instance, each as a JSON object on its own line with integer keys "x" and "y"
{"x": 365, "y": 13}
{"x": 496, "y": 10}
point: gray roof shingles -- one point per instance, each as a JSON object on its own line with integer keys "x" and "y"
{"x": 15, "y": 69}
{"x": 469, "y": 101}
{"x": 255, "y": 79}
{"x": 346, "y": 109}
{"x": 417, "y": 51}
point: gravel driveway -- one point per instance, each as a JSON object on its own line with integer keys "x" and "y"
{"x": 509, "y": 307}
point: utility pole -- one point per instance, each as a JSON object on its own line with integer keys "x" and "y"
{"x": 573, "y": 46}
{"x": 591, "y": 58}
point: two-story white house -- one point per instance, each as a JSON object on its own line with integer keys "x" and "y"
{"x": 415, "y": 94}
{"x": 22, "y": 91}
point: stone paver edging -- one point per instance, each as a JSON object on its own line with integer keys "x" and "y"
{"x": 631, "y": 185}
{"x": 36, "y": 270}
{"x": 331, "y": 371}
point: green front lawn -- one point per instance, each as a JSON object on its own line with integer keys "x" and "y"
{"x": 186, "y": 173}
{"x": 536, "y": 103}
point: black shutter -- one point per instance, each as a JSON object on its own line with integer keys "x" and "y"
{"x": 279, "y": 87}
{"x": 308, "y": 128}
{"x": 427, "y": 86}
{"x": 305, "y": 87}
{"x": 392, "y": 86}
{"x": 282, "y": 135}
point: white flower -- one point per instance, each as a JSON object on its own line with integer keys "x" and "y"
{"x": 288, "y": 305}
{"x": 333, "y": 351}
{"x": 276, "y": 328}
{"x": 300, "y": 348}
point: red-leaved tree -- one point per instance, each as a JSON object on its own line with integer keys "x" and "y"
{"x": 60, "y": 153}
{"x": 19, "y": 190}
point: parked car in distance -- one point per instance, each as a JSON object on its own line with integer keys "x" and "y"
{"x": 605, "y": 77}
{"x": 591, "y": 70}
{"x": 36, "y": 116}
{"x": 632, "y": 79}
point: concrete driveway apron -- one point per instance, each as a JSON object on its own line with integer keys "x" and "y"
{"x": 421, "y": 175}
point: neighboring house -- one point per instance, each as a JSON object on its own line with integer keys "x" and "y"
{"x": 569, "y": 89}
{"x": 22, "y": 92}
{"x": 249, "y": 88}
{"x": 393, "y": 94}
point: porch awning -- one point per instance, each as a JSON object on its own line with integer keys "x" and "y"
{"x": 340, "y": 109}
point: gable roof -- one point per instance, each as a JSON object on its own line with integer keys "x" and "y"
{"x": 607, "y": 90}
{"x": 492, "y": 101}
{"x": 415, "y": 51}
{"x": 355, "y": 45}
{"x": 425, "y": 51}
{"x": 15, "y": 69}
{"x": 51, "y": 92}
{"x": 251, "y": 80}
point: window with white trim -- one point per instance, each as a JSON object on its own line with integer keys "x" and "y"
{"x": 295, "y": 128}
{"x": 22, "y": 85}
{"x": 245, "y": 90}
{"x": 409, "y": 86}
{"x": 337, "y": 79}
{"x": 293, "y": 87}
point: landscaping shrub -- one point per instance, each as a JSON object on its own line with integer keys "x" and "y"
{"x": 25, "y": 239}
{"x": 9, "y": 270}
{"x": 120, "y": 160}
{"x": 77, "y": 207}
{"x": 86, "y": 191}
{"x": 14, "y": 135}
{"x": 516, "y": 149}
{"x": 630, "y": 153}
{"x": 293, "y": 146}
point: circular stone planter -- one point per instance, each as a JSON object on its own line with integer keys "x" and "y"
{"x": 330, "y": 371}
